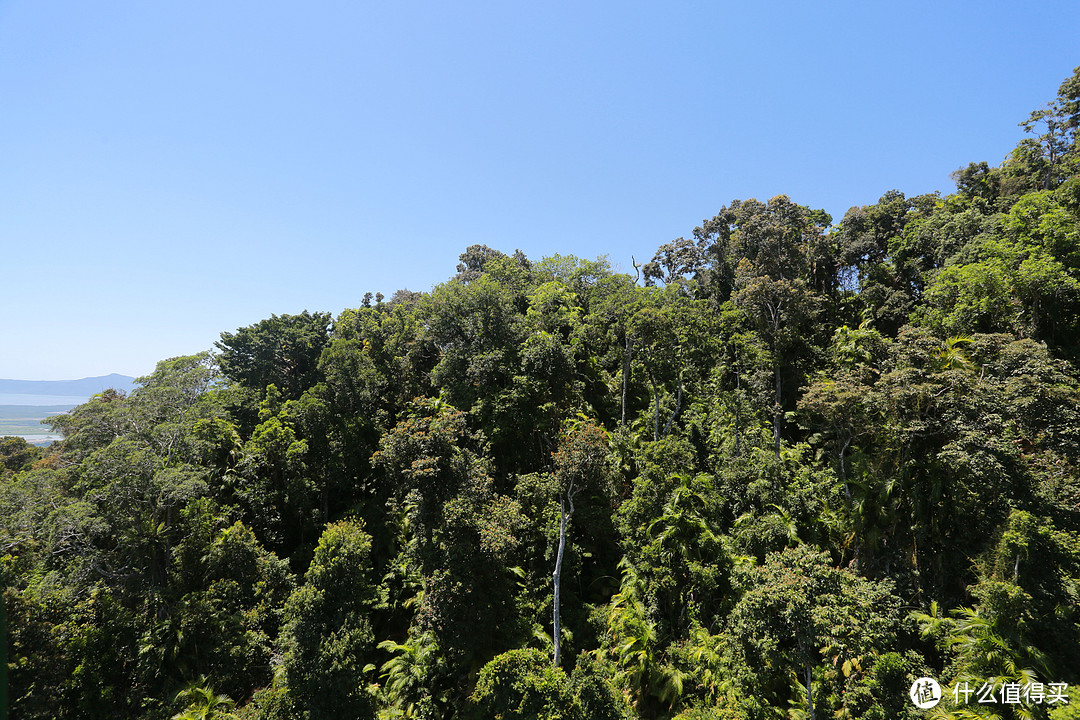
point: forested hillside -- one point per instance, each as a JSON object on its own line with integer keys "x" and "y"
{"x": 783, "y": 470}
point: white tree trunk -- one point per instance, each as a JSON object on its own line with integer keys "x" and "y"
{"x": 564, "y": 521}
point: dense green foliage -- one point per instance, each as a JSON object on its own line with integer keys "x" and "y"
{"x": 791, "y": 467}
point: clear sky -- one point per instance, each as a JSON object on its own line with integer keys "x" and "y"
{"x": 170, "y": 170}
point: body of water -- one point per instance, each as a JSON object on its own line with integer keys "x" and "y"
{"x": 26, "y": 399}
{"x": 42, "y": 439}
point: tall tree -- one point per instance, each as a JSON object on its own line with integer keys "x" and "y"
{"x": 281, "y": 350}
{"x": 782, "y": 273}
{"x": 580, "y": 465}
{"x": 329, "y": 641}
{"x": 798, "y": 613}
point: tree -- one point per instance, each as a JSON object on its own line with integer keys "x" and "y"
{"x": 988, "y": 645}
{"x": 3, "y": 659}
{"x": 679, "y": 262}
{"x": 203, "y": 704}
{"x": 1049, "y": 157}
{"x": 798, "y": 613}
{"x": 1059, "y": 121}
{"x": 229, "y": 592}
{"x": 474, "y": 260}
{"x": 867, "y": 240}
{"x": 781, "y": 309}
{"x": 426, "y": 459}
{"x": 782, "y": 272}
{"x": 840, "y": 401}
{"x": 614, "y": 302}
{"x": 271, "y": 481}
{"x": 15, "y": 455}
{"x": 654, "y": 331}
{"x": 685, "y": 560}
{"x": 453, "y": 517}
{"x": 476, "y": 328}
{"x": 281, "y": 350}
{"x": 329, "y": 642}
{"x": 410, "y": 673}
{"x": 640, "y": 667}
{"x": 521, "y": 685}
{"x": 978, "y": 180}
{"x": 580, "y": 464}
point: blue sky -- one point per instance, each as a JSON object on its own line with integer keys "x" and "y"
{"x": 169, "y": 171}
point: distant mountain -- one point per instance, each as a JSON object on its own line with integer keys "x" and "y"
{"x": 85, "y": 387}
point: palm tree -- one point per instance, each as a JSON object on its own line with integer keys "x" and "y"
{"x": 640, "y": 671}
{"x": 683, "y": 530}
{"x": 204, "y": 704}
{"x": 985, "y": 649}
{"x": 871, "y": 516}
{"x": 409, "y": 673}
{"x": 953, "y": 356}
{"x": 986, "y": 653}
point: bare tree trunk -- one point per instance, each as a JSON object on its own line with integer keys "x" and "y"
{"x": 738, "y": 413}
{"x": 626, "y": 374}
{"x": 778, "y": 413}
{"x": 843, "y": 469}
{"x": 564, "y": 520}
{"x": 326, "y": 499}
{"x": 656, "y": 410}
{"x": 675, "y": 412}
{"x": 809, "y": 693}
